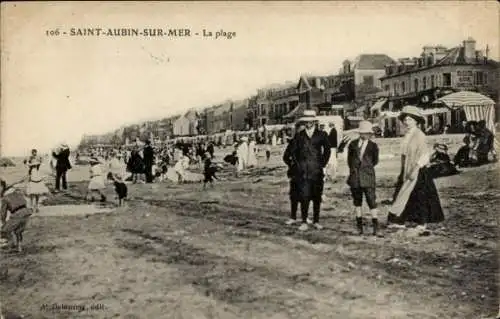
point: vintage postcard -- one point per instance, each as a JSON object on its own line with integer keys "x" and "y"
{"x": 327, "y": 159}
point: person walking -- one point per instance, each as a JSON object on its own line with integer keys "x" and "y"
{"x": 310, "y": 152}
{"x": 62, "y": 166}
{"x": 417, "y": 200}
{"x": 149, "y": 159}
{"x": 362, "y": 157}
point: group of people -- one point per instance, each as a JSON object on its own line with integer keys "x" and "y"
{"x": 311, "y": 158}
{"x": 416, "y": 199}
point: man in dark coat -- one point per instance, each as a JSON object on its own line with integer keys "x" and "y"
{"x": 149, "y": 159}
{"x": 307, "y": 156}
{"x": 62, "y": 166}
{"x": 362, "y": 157}
{"x": 291, "y": 174}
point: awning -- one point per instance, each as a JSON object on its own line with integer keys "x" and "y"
{"x": 465, "y": 98}
{"x": 378, "y": 105}
{"x": 337, "y": 107}
{"x": 437, "y": 110}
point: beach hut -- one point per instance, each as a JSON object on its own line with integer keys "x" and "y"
{"x": 475, "y": 105}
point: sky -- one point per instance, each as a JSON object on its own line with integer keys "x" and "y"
{"x": 57, "y": 88}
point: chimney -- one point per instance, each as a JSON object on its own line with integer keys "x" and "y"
{"x": 470, "y": 48}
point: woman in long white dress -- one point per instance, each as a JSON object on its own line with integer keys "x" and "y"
{"x": 252, "y": 157}
{"x": 242, "y": 153}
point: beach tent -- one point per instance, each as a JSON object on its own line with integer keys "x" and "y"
{"x": 475, "y": 105}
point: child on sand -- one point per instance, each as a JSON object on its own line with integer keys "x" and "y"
{"x": 36, "y": 186}
{"x": 121, "y": 189}
{"x": 97, "y": 183}
{"x": 209, "y": 171}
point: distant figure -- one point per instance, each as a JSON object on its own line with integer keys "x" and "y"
{"x": 121, "y": 189}
{"x": 135, "y": 165}
{"x": 149, "y": 159}
{"x": 440, "y": 162}
{"x": 209, "y": 171}
{"x": 252, "y": 157}
{"x": 36, "y": 186}
{"x": 331, "y": 168}
{"x": 462, "y": 158}
{"x": 97, "y": 182}
{"x": 62, "y": 166}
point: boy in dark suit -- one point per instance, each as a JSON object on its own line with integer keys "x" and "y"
{"x": 362, "y": 157}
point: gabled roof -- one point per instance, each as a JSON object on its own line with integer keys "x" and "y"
{"x": 372, "y": 61}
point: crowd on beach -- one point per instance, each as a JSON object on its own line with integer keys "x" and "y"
{"x": 310, "y": 155}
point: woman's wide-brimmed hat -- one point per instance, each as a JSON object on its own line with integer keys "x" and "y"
{"x": 365, "y": 127}
{"x": 308, "y": 116}
{"x": 412, "y": 111}
{"x": 244, "y": 139}
{"x": 441, "y": 147}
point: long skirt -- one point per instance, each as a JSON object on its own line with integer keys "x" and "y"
{"x": 423, "y": 205}
{"x": 306, "y": 190}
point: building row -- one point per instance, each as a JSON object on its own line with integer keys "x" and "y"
{"x": 368, "y": 87}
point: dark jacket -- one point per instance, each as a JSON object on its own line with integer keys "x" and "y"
{"x": 332, "y": 138}
{"x": 306, "y": 157}
{"x": 149, "y": 155}
{"x": 362, "y": 170}
{"x": 62, "y": 158}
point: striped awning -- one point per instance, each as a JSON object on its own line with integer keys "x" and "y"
{"x": 465, "y": 98}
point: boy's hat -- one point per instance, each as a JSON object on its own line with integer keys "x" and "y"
{"x": 365, "y": 127}
{"x": 308, "y": 116}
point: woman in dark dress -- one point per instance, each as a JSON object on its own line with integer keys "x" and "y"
{"x": 417, "y": 200}
{"x": 135, "y": 165}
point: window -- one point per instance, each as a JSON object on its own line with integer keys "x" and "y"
{"x": 368, "y": 80}
{"x": 395, "y": 88}
{"x": 446, "y": 79}
{"x": 432, "y": 81}
{"x": 387, "y": 88}
{"x": 424, "y": 83}
{"x": 478, "y": 78}
{"x": 485, "y": 78}
{"x": 403, "y": 87}
{"x": 415, "y": 85}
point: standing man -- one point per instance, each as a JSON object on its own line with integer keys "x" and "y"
{"x": 362, "y": 157}
{"x": 149, "y": 158}
{"x": 308, "y": 153}
{"x": 62, "y": 166}
{"x": 331, "y": 169}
